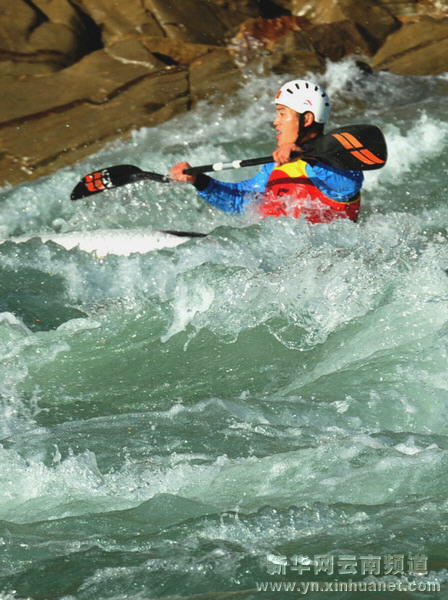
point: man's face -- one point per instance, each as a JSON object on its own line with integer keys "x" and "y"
{"x": 286, "y": 124}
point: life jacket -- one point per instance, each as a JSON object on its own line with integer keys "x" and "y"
{"x": 290, "y": 192}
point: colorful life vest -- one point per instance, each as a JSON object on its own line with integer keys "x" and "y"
{"x": 290, "y": 192}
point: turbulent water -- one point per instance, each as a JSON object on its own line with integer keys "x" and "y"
{"x": 248, "y": 409}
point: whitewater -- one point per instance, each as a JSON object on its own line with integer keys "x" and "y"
{"x": 261, "y": 407}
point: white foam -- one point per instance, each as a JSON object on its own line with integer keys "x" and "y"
{"x": 405, "y": 153}
{"x": 14, "y": 327}
{"x": 189, "y": 301}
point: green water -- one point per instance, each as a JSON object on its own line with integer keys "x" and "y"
{"x": 201, "y": 421}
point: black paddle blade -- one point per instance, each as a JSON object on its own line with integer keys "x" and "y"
{"x": 109, "y": 178}
{"x": 354, "y": 147}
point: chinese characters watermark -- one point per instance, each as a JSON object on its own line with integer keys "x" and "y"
{"x": 348, "y": 564}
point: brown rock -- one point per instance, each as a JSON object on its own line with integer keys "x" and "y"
{"x": 35, "y": 42}
{"x": 284, "y": 4}
{"x": 95, "y": 78}
{"x": 374, "y": 21}
{"x": 233, "y": 12}
{"x": 279, "y": 44}
{"x": 396, "y": 7}
{"x": 214, "y": 74}
{"x": 50, "y": 140}
{"x": 60, "y": 11}
{"x": 268, "y": 31}
{"x": 239, "y": 6}
{"x": 134, "y": 52}
{"x": 189, "y": 21}
{"x": 400, "y": 8}
{"x": 337, "y": 40}
{"x": 406, "y": 9}
{"x": 417, "y": 48}
{"x": 118, "y": 19}
{"x": 39, "y": 64}
{"x": 80, "y": 37}
{"x": 55, "y": 37}
{"x": 53, "y": 120}
{"x": 17, "y": 19}
{"x": 195, "y": 21}
{"x": 174, "y": 51}
{"x": 295, "y": 54}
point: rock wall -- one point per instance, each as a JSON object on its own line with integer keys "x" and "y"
{"x": 77, "y": 73}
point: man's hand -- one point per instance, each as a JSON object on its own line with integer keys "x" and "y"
{"x": 282, "y": 153}
{"x": 177, "y": 173}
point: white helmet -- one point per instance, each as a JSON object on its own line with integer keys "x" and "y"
{"x": 303, "y": 96}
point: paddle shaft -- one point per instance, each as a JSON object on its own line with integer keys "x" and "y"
{"x": 218, "y": 166}
{"x": 354, "y": 147}
{"x": 234, "y": 164}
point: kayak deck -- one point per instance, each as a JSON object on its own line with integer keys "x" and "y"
{"x": 121, "y": 242}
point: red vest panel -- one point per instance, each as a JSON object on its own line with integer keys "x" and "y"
{"x": 290, "y": 192}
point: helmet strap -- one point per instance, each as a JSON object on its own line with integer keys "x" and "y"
{"x": 301, "y": 131}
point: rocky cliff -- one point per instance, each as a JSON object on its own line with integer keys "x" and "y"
{"x": 77, "y": 73}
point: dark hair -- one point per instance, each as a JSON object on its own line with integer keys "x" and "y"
{"x": 315, "y": 129}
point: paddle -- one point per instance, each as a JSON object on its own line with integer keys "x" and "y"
{"x": 192, "y": 234}
{"x": 354, "y": 147}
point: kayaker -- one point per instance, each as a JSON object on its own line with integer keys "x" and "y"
{"x": 291, "y": 188}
